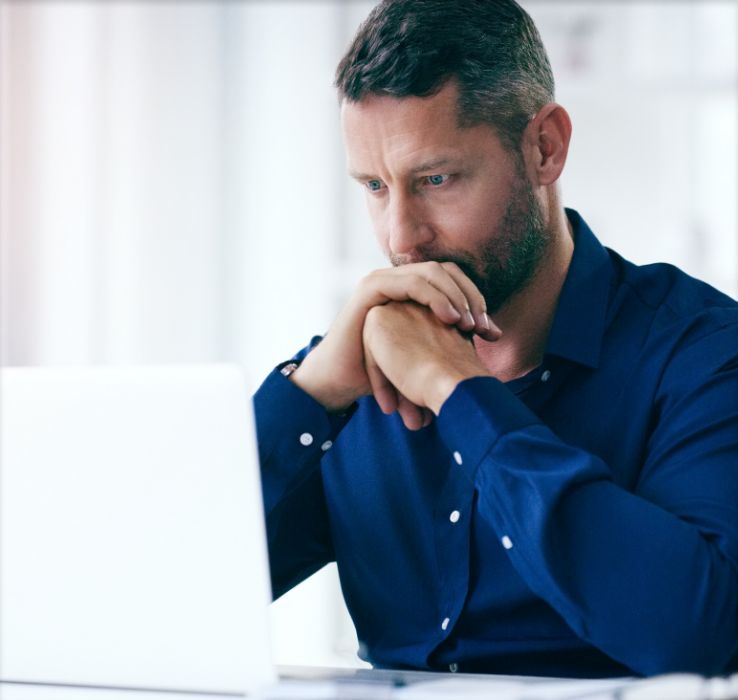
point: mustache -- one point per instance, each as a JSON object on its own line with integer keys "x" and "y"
{"x": 400, "y": 260}
{"x": 463, "y": 260}
{"x": 423, "y": 255}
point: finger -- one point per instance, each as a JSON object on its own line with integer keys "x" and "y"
{"x": 412, "y": 415}
{"x": 483, "y": 324}
{"x": 382, "y": 389}
{"x": 450, "y": 280}
{"x": 440, "y": 278}
{"x": 424, "y": 283}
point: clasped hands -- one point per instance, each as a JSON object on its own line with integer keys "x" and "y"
{"x": 404, "y": 337}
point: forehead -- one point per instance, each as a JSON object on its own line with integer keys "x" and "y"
{"x": 380, "y": 130}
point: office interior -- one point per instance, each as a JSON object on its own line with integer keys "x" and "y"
{"x": 173, "y": 186}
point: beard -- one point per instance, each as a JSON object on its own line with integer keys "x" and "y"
{"x": 507, "y": 260}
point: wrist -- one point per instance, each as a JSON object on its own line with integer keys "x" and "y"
{"x": 333, "y": 399}
{"x": 442, "y": 383}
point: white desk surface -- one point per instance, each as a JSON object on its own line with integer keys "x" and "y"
{"x": 305, "y": 683}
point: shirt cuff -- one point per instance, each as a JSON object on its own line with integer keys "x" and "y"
{"x": 292, "y": 427}
{"x": 480, "y": 411}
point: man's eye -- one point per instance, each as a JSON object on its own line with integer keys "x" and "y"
{"x": 437, "y": 180}
{"x": 374, "y": 185}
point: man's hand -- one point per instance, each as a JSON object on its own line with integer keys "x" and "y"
{"x": 334, "y": 372}
{"x": 414, "y": 361}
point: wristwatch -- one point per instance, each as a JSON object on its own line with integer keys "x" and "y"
{"x": 289, "y": 368}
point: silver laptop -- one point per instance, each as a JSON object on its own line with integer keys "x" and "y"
{"x": 132, "y": 538}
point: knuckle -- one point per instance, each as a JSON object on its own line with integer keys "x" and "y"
{"x": 372, "y": 316}
{"x": 370, "y": 278}
{"x": 432, "y": 267}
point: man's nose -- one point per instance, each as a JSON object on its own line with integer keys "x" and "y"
{"x": 408, "y": 227}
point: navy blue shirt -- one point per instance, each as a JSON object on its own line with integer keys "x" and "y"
{"x": 580, "y": 520}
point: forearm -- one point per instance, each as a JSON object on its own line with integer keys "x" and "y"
{"x": 294, "y": 432}
{"x": 639, "y": 583}
{"x": 645, "y": 585}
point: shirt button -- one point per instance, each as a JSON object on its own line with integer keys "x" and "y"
{"x": 546, "y": 375}
{"x": 457, "y": 457}
{"x": 507, "y": 542}
{"x": 306, "y": 439}
{"x": 454, "y": 517}
{"x": 453, "y": 667}
{"x": 445, "y": 622}
{"x": 326, "y": 445}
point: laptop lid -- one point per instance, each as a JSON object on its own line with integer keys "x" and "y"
{"x": 131, "y": 529}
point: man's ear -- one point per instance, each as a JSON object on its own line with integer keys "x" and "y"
{"x": 546, "y": 144}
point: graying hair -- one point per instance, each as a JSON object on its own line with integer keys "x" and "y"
{"x": 491, "y": 48}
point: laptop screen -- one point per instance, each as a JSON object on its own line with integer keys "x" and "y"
{"x": 133, "y": 545}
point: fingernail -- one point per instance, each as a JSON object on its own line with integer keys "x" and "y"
{"x": 470, "y": 318}
{"x": 483, "y": 321}
{"x": 456, "y": 315}
{"x": 494, "y": 328}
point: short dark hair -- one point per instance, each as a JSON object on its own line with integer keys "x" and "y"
{"x": 491, "y": 48}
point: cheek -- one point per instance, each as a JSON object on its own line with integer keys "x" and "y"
{"x": 467, "y": 217}
{"x": 483, "y": 209}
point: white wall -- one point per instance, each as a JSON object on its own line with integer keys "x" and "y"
{"x": 172, "y": 186}
{"x": 651, "y": 87}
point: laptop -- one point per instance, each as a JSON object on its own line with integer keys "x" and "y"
{"x": 132, "y": 538}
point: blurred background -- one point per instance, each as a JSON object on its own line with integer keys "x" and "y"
{"x": 172, "y": 184}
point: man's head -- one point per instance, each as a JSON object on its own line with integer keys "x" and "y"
{"x": 490, "y": 48}
{"x": 448, "y": 122}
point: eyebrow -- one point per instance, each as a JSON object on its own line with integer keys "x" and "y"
{"x": 422, "y": 167}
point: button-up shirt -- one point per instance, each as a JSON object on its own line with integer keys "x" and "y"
{"x": 579, "y": 520}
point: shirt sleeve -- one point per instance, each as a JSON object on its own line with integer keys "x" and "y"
{"x": 294, "y": 432}
{"x": 649, "y": 577}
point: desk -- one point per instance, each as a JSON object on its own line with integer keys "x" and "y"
{"x": 305, "y": 683}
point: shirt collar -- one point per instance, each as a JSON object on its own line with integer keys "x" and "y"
{"x": 579, "y": 322}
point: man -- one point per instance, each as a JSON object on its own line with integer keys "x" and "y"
{"x": 520, "y": 449}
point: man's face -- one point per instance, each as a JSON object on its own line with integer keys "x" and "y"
{"x": 438, "y": 192}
